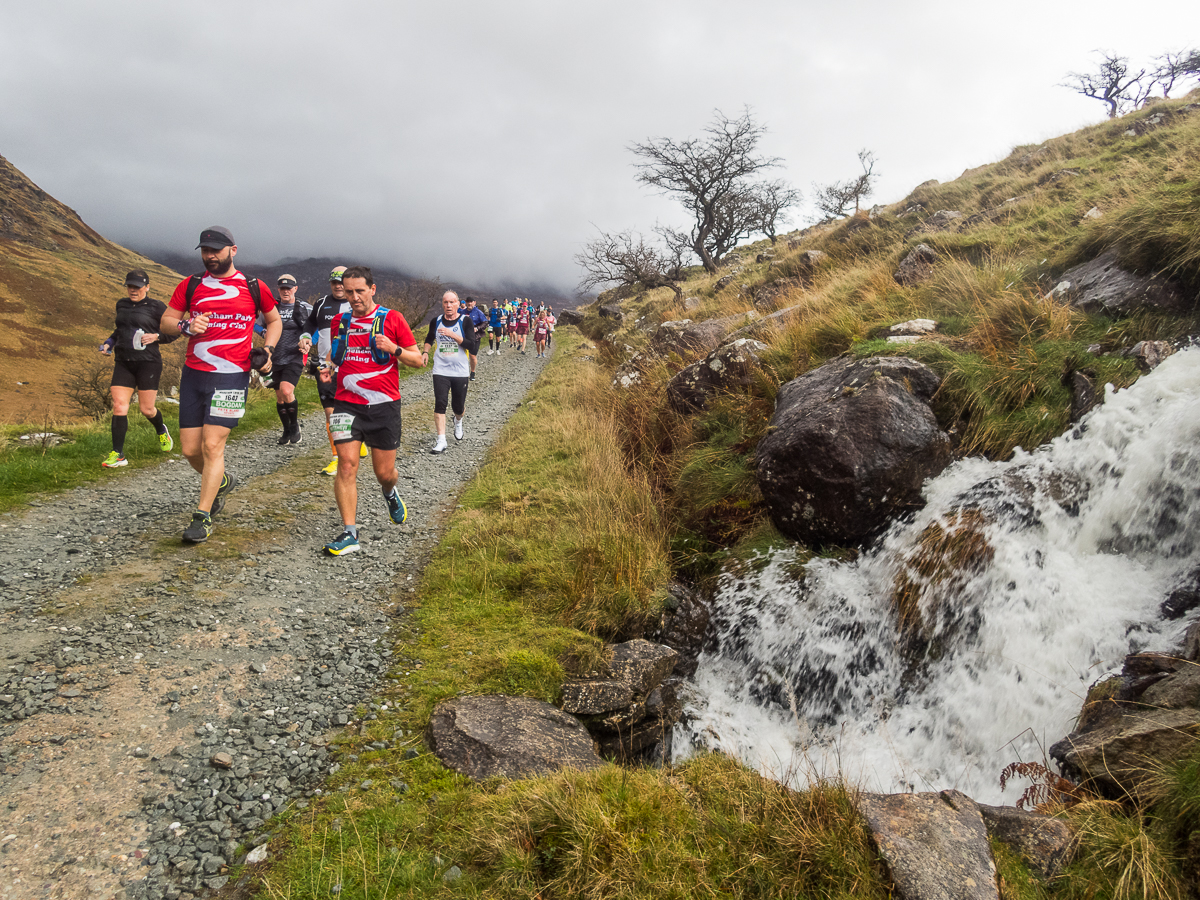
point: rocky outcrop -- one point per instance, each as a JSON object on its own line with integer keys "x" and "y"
{"x": 685, "y": 337}
{"x": 684, "y": 627}
{"x": 848, "y": 448}
{"x": 630, "y": 709}
{"x": 768, "y": 294}
{"x": 1045, "y": 843}
{"x": 1102, "y": 286}
{"x": 917, "y": 266}
{"x": 513, "y": 737}
{"x": 631, "y": 371}
{"x": 935, "y": 845}
{"x": 911, "y": 331}
{"x": 1136, "y": 722}
{"x": 611, "y": 311}
{"x": 726, "y": 368}
{"x": 570, "y": 317}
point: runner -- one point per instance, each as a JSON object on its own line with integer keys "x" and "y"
{"x": 368, "y": 345}
{"x": 551, "y": 321}
{"x": 522, "y": 316}
{"x": 453, "y": 336}
{"x": 495, "y": 327}
{"x": 323, "y": 312}
{"x": 479, "y": 322}
{"x": 134, "y": 343}
{"x": 541, "y": 333}
{"x": 289, "y": 360}
{"x": 212, "y": 392}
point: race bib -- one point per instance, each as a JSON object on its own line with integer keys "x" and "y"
{"x": 228, "y": 404}
{"x": 447, "y": 345}
{"x": 339, "y": 426}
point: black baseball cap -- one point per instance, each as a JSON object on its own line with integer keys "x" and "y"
{"x": 137, "y": 278}
{"x": 286, "y": 281}
{"x": 215, "y": 237}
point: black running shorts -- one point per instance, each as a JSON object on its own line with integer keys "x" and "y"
{"x": 454, "y": 386}
{"x": 376, "y": 425}
{"x": 141, "y": 374}
{"x": 289, "y": 372}
{"x": 498, "y": 331}
{"x": 212, "y": 398}
{"x": 326, "y": 391}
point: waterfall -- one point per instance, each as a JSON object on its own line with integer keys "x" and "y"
{"x": 966, "y": 638}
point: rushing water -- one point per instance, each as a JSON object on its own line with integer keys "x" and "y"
{"x": 1064, "y": 557}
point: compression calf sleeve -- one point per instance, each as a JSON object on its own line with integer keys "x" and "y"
{"x": 293, "y": 413}
{"x": 157, "y": 422}
{"x": 120, "y": 427}
{"x": 282, "y": 410}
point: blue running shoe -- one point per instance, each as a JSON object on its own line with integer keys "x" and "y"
{"x": 342, "y": 544}
{"x": 396, "y": 508}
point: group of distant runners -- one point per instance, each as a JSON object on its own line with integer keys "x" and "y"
{"x": 349, "y": 343}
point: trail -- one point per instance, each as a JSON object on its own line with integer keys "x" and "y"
{"x": 130, "y": 659}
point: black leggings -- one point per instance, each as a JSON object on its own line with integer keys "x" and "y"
{"x": 453, "y": 386}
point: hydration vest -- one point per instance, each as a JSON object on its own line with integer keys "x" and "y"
{"x": 338, "y": 351}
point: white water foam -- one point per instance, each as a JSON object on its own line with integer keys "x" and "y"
{"x": 1088, "y": 536}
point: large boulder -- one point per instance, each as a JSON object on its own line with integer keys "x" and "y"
{"x": 513, "y": 737}
{"x": 1045, "y": 843}
{"x": 1102, "y": 286}
{"x": 917, "y": 266}
{"x": 935, "y": 845}
{"x": 686, "y": 338}
{"x": 849, "y": 447}
{"x": 570, "y": 317}
{"x": 728, "y": 367}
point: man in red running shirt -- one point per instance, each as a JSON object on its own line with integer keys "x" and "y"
{"x": 216, "y": 373}
{"x": 369, "y": 342}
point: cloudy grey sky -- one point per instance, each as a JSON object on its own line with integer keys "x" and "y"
{"x": 488, "y": 140}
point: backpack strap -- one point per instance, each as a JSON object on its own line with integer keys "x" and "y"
{"x": 251, "y": 284}
{"x": 377, "y": 328}
{"x": 193, "y": 283}
{"x": 337, "y": 332}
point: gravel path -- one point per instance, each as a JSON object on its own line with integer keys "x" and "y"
{"x": 160, "y": 702}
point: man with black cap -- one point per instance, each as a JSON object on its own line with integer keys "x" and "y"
{"x": 324, "y": 311}
{"x": 221, "y": 306}
{"x": 288, "y": 360}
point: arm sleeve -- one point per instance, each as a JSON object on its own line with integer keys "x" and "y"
{"x": 310, "y": 324}
{"x": 471, "y": 338}
{"x": 430, "y": 337}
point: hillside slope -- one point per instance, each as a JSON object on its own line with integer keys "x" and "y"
{"x": 59, "y": 280}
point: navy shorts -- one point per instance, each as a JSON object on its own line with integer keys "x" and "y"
{"x": 377, "y": 425}
{"x": 212, "y": 398}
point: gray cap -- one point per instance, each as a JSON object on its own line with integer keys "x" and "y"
{"x": 215, "y": 237}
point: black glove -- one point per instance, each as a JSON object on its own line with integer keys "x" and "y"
{"x": 258, "y": 358}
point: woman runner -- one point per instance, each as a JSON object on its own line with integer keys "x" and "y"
{"x": 134, "y": 343}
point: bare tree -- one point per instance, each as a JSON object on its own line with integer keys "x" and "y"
{"x": 1173, "y": 67}
{"x": 712, "y": 176}
{"x": 834, "y": 199}
{"x": 625, "y": 258}
{"x": 774, "y": 199}
{"x": 1112, "y": 83}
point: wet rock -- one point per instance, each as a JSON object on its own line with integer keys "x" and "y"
{"x": 1084, "y": 396}
{"x": 1149, "y": 354}
{"x": 512, "y": 737}
{"x": 935, "y": 845}
{"x": 916, "y": 266}
{"x": 684, "y": 627}
{"x": 1102, "y": 286}
{"x": 849, "y": 447}
{"x": 725, "y": 369}
{"x": 1045, "y": 843}
{"x": 1184, "y": 598}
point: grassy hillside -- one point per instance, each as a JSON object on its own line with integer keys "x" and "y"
{"x": 1004, "y": 352}
{"x": 59, "y": 281}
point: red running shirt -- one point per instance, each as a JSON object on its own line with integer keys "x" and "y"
{"x": 225, "y": 345}
{"x": 359, "y": 378}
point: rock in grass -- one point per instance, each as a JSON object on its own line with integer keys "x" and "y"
{"x": 512, "y": 737}
{"x": 935, "y": 845}
{"x": 1044, "y": 842}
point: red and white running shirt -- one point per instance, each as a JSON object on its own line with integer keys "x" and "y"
{"x": 225, "y": 345}
{"x": 359, "y": 378}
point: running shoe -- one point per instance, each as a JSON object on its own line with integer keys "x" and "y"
{"x": 396, "y": 508}
{"x": 166, "y": 442}
{"x": 331, "y": 469}
{"x": 285, "y": 438}
{"x": 363, "y": 451}
{"x": 295, "y": 436}
{"x": 439, "y": 446}
{"x": 458, "y": 429}
{"x": 342, "y": 544}
{"x": 114, "y": 461}
{"x": 490, "y": 351}
{"x": 472, "y": 376}
{"x": 199, "y": 530}
{"x": 228, "y": 481}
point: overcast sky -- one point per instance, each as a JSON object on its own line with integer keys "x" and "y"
{"x": 485, "y": 141}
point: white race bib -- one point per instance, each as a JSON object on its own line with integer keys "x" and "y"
{"x": 339, "y": 426}
{"x": 228, "y": 404}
